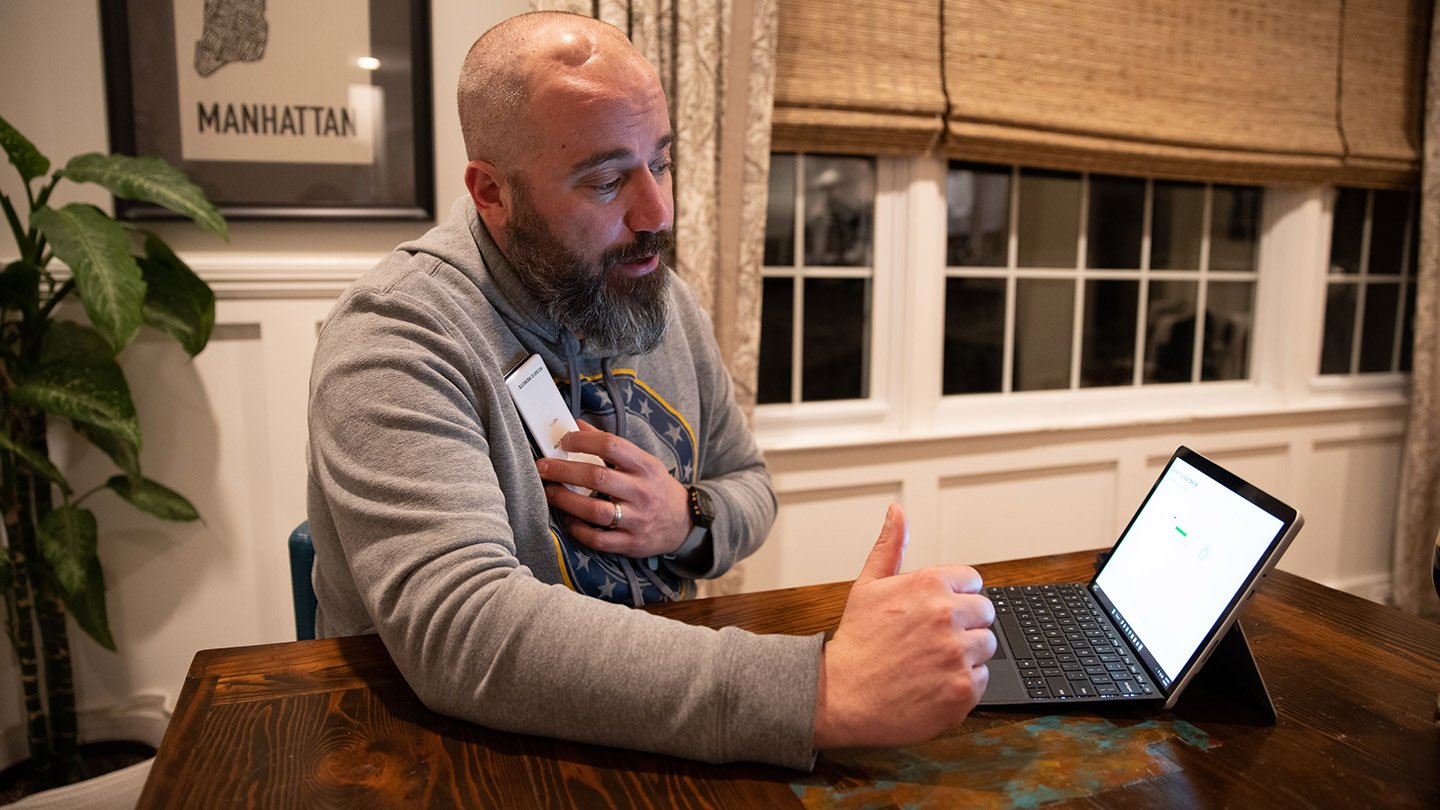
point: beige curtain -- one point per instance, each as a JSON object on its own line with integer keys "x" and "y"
{"x": 1418, "y": 521}
{"x": 716, "y": 59}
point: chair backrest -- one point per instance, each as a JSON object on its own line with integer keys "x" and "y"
{"x": 302, "y": 561}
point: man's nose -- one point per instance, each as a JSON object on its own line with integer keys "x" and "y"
{"x": 651, "y": 205}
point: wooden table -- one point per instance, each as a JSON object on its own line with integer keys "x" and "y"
{"x": 330, "y": 723}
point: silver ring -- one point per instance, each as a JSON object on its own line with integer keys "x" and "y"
{"x": 615, "y": 523}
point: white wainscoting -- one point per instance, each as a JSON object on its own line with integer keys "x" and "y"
{"x": 981, "y": 499}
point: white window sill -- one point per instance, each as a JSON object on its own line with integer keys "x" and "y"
{"x": 868, "y": 422}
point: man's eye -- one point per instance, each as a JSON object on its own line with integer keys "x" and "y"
{"x": 660, "y": 169}
{"x": 606, "y": 188}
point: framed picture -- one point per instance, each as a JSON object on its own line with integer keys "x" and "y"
{"x": 278, "y": 109}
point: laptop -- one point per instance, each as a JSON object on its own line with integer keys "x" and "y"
{"x": 1168, "y": 592}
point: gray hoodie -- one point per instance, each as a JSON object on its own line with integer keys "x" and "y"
{"x": 431, "y": 527}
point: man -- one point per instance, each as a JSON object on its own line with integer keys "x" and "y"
{"x": 492, "y": 585}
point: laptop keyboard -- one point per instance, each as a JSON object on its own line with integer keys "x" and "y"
{"x": 1063, "y": 646}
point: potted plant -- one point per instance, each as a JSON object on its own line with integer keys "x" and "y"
{"x": 56, "y": 367}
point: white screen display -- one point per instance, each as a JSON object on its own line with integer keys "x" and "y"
{"x": 1182, "y": 560}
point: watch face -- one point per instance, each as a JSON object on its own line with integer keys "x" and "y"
{"x": 703, "y": 512}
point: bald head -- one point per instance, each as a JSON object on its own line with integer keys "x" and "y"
{"x": 541, "y": 58}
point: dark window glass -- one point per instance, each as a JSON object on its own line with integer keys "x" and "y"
{"x": 1234, "y": 228}
{"x": 1347, "y": 230}
{"x": 837, "y": 315}
{"x": 974, "y": 335}
{"x": 780, "y": 213}
{"x": 1407, "y": 330}
{"x": 1107, "y": 349}
{"x": 1228, "y": 308}
{"x": 1049, "y": 220}
{"x": 1412, "y": 255}
{"x": 839, "y": 209}
{"x": 977, "y": 215}
{"x": 1044, "y": 315}
{"x": 1377, "y": 337}
{"x": 1170, "y": 331}
{"x": 777, "y": 316}
{"x": 1387, "y": 234}
{"x": 1339, "y": 329}
{"x": 1117, "y": 220}
{"x": 1177, "y": 222}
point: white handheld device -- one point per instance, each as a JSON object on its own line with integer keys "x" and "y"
{"x": 543, "y": 411}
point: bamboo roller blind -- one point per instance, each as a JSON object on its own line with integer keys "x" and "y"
{"x": 1279, "y": 91}
{"x": 858, "y": 77}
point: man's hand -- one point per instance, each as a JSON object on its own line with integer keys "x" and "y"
{"x": 908, "y": 660}
{"x": 654, "y": 507}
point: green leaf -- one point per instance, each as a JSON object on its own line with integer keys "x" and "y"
{"x": 152, "y": 497}
{"x": 20, "y": 287}
{"x": 77, "y": 377}
{"x": 125, "y": 455}
{"x": 27, "y": 159}
{"x": 97, "y": 249}
{"x": 177, "y": 302}
{"x": 88, "y": 606}
{"x": 35, "y": 461}
{"x": 150, "y": 179}
{"x": 68, "y": 543}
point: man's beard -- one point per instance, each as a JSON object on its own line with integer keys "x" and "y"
{"x": 612, "y": 313}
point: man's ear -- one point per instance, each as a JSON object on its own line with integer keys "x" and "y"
{"x": 482, "y": 180}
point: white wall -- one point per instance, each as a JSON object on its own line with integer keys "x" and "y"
{"x": 228, "y": 429}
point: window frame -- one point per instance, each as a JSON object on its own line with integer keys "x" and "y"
{"x": 906, "y": 403}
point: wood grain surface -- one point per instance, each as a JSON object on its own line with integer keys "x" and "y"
{"x": 331, "y": 723}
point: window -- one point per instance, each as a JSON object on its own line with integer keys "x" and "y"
{"x": 1369, "y": 292}
{"x": 1058, "y": 280}
{"x": 921, "y": 296}
{"x": 819, "y": 267}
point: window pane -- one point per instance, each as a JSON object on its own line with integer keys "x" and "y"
{"x": 1412, "y": 256}
{"x": 1407, "y": 330}
{"x": 1347, "y": 230}
{"x": 780, "y": 213}
{"x": 1178, "y": 219}
{"x": 1234, "y": 225}
{"x": 1117, "y": 218}
{"x": 1170, "y": 331}
{"x": 977, "y": 208}
{"x": 1387, "y": 233}
{"x": 974, "y": 335}
{"x": 1339, "y": 329}
{"x": 1229, "y": 312}
{"x": 1049, "y": 226}
{"x": 839, "y": 206}
{"x": 837, "y": 315}
{"x": 1107, "y": 349}
{"x": 1044, "y": 313}
{"x": 1377, "y": 338}
{"x": 777, "y": 317}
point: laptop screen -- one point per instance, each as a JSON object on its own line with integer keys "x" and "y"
{"x": 1185, "y": 559}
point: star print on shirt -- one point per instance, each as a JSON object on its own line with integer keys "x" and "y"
{"x": 662, "y": 431}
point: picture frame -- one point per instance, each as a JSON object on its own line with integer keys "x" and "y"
{"x": 277, "y": 109}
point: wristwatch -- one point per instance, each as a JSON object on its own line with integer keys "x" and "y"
{"x": 702, "y": 514}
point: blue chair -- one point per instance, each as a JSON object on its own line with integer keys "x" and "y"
{"x": 302, "y": 560}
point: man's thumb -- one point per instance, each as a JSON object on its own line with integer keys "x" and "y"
{"x": 889, "y": 551}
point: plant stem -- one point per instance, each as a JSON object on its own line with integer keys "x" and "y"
{"x": 54, "y": 635}
{"x": 14, "y": 220}
{"x": 22, "y": 616}
{"x": 56, "y": 298}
